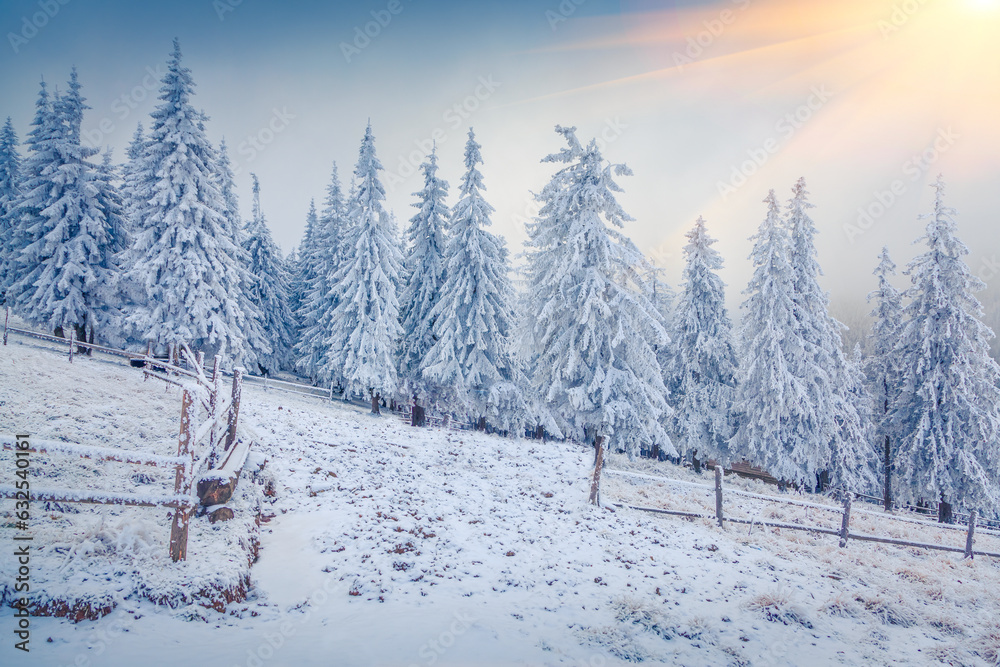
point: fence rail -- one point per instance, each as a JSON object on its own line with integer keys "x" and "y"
{"x": 845, "y": 512}
{"x": 199, "y": 444}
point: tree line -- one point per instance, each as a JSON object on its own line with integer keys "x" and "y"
{"x": 594, "y": 346}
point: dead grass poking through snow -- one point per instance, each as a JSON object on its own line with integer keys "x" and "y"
{"x": 777, "y": 606}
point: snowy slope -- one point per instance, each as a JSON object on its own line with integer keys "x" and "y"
{"x": 399, "y": 546}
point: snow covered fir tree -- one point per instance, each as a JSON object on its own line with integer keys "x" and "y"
{"x": 946, "y": 410}
{"x": 67, "y": 230}
{"x": 834, "y": 394}
{"x": 590, "y": 327}
{"x": 268, "y": 290}
{"x": 773, "y": 410}
{"x": 704, "y": 354}
{"x": 882, "y": 368}
{"x": 10, "y": 193}
{"x": 364, "y": 323}
{"x": 320, "y": 257}
{"x": 425, "y": 271}
{"x": 470, "y": 361}
{"x": 184, "y": 265}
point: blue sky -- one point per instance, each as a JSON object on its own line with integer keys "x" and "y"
{"x": 710, "y": 103}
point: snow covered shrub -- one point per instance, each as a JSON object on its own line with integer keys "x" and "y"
{"x": 777, "y": 606}
{"x": 619, "y": 642}
{"x": 987, "y": 645}
{"x": 889, "y": 612}
{"x": 648, "y": 616}
{"x": 842, "y": 605}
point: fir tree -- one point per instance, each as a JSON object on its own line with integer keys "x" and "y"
{"x": 365, "y": 327}
{"x": 882, "y": 368}
{"x": 705, "y": 358}
{"x": 473, "y": 319}
{"x": 835, "y": 397}
{"x": 775, "y": 411}
{"x": 10, "y": 193}
{"x": 258, "y": 341}
{"x": 185, "y": 265}
{"x": 135, "y": 180}
{"x": 321, "y": 258}
{"x": 67, "y": 270}
{"x": 311, "y": 342}
{"x": 425, "y": 270}
{"x": 269, "y": 289}
{"x": 591, "y": 329}
{"x": 946, "y": 410}
{"x": 42, "y": 151}
{"x": 299, "y": 285}
{"x": 111, "y": 201}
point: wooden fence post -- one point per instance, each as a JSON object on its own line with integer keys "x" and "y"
{"x": 179, "y": 526}
{"x": 234, "y": 411}
{"x": 846, "y": 523}
{"x": 595, "y": 485}
{"x": 6, "y": 319}
{"x": 72, "y": 343}
{"x": 970, "y": 535}
{"x": 213, "y": 407}
{"x": 200, "y": 357}
{"x": 718, "y": 494}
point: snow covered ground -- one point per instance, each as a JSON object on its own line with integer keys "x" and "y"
{"x": 391, "y": 545}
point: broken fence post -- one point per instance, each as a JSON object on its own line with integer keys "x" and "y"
{"x": 845, "y": 524}
{"x": 718, "y": 493}
{"x": 970, "y": 536}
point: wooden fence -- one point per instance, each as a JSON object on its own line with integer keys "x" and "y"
{"x": 200, "y": 445}
{"x": 845, "y": 512}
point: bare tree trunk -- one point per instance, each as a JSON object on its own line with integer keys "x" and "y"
{"x": 595, "y": 485}
{"x": 375, "y": 402}
{"x": 695, "y": 462}
{"x": 481, "y": 424}
{"x": 418, "y": 416}
{"x": 945, "y": 514}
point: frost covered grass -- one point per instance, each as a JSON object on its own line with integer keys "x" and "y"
{"x": 472, "y": 549}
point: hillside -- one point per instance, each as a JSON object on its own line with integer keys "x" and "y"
{"x": 391, "y": 545}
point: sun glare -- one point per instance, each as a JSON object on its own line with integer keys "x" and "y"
{"x": 984, "y": 5}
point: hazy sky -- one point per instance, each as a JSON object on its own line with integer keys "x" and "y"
{"x": 710, "y": 103}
